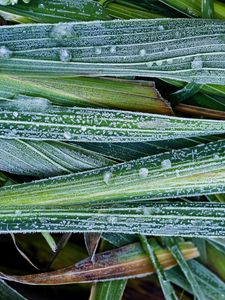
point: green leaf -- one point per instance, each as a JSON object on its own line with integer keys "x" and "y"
{"x": 108, "y": 290}
{"x": 8, "y": 293}
{"x": 212, "y": 286}
{"x": 173, "y": 246}
{"x": 35, "y": 119}
{"x": 180, "y": 173}
{"x": 88, "y": 92}
{"x": 52, "y": 11}
{"x": 160, "y": 48}
{"x": 45, "y": 159}
{"x": 167, "y": 288}
{"x": 198, "y": 219}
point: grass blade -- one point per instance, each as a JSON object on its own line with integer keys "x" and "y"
{"x": 88, "y": 92}
{"x": 35, "y": 119}
{"x": 54, "y": 11}
{"x": 163, "y": 219}
{"x": 125, "y": 262}
{"x": 167, "y": 288}
{"x": 108, "y": 290}
{"x": 8, "y": 293}
{"x": 177, "y": 254}
{"x": 160, "y": 48}
{"x": 180, "y": 173}
{"x": 45, "y": 159}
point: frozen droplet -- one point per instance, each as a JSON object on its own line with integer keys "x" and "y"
{"x": 161, "y": 27}
{"x": 65, "y": 55}
{"x": 106, "y": 177}
{"x": 149, "y": 64}
{"x": 83, "y": 128}
{"x": 216, "y": 156}
{"x": 18, "y": 212}
{"x": 196, "y": 63}
{"x": 169, "y": 61}
{"x": 5, "y": 52}
{"x": 41, "y": 5}
{"x": 112, "y": 219}
{"x": 67, "y": 135}
{"x": 63, "y": 31}
{"x": 159, "y": 62}
{"x": 166, "y": 49}
{"x": 15, "y": 114}
{"x": 166, "y": 164}
{"x": 142, "y": 52}
{"x": 98, "y": 50}
{"x": 112, "y": 49}
{"x": 143, "y": 172}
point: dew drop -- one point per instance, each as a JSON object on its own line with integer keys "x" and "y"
{"x": 142, "y": 52}
{"x": 65, "y": 55}
{"x": 143, "y": 172}
{"x": 5, "y": 52}
{"x": 106, "y": 177}
{"x": 63, "y": 31}
{"x": 196, "y": 63}
{"x": 98, "y": 50}
{"x": 166, "y": 164}
{"x": 112, "y": 49}
{"x": 67, "y": 135}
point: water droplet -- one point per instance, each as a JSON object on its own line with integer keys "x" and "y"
{"x": 5, "y": 52}
{"x": 15, "y": 114}
{"x": 161, "y": 27}
{"x": 149, "y": 64}
{"x": 41, "y": 5}
{"x": 67, "y": 135}
{"x": 106, "y": 177}
{"x": 65, "y": 55}
{"x": 159, "y": 62}
{"x": 63, "y": 31}
{"x": 143, "y": 172}
{"x": 169, "y": 61}
{"x": 196, "y": 63}
{"x": 166, "y": 164}
{"x": 98, "y": 50}
{"x": 112, "y": 49}
{"x": 142, "y": 52}
{"x": 83, "y": 128}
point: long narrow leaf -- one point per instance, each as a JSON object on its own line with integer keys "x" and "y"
{"x": 188, "y": 50}
{"x": 53, "y": 11}
{"x": 45, "y": 159}
{"x": 188, "y": 172}
{"x": 125, "y": 262}
{"x": 88, "y": 92}
{"x": 29, "y": 119}
{"x": 164, "y": 219}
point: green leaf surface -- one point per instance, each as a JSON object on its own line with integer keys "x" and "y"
{"x": 88, "y": 92}
{"x": 163, "y": 219}
{"x": 183, "y": 49}
{"x": 8, "y": 293}
{"x": 188, "y": 172}
{"x": 37, "y": 120}
{"x": 53, "y": 11}
{"x": 45, "y": 159}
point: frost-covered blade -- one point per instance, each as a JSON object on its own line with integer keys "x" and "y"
{"x": 45, "y": 159}
{"x": 35, "y": 119}
{"x": 53, "y": 11}
{"x": 183, "y": 49}
{"x": 187, "y": 172}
